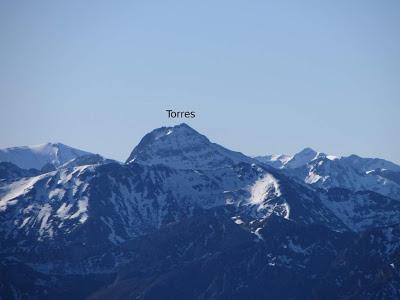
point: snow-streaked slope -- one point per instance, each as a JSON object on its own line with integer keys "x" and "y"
{"x": 283, "y": 161}
{"x": 131, "y": 200}
{"x": 353, "y": 172}
{"x": 184, "y": 148}
{"x": 105, "y": 205}
{"x": 36, "y": 157}
{"x": 276, "y": 161}
{"x": 10, "y": 192}
{"x": 183, "y": 206}
{"x": 44, "y": 205}
{"x": 171, "y": 173}
{"x": 84, "y": 160}
{"x": 90, "y": 203}
{"x": 326, "y": 173}
{"x": 362, "y": 210}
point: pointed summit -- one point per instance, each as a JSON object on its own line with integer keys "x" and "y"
{"x": 301, "y": 158}
{"x": 183, "y": 147}
{"x": 306, "y": 151}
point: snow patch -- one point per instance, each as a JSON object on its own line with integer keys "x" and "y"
{"x": 264, "y": 188}
{"x": 237, "y": 220}
{"x": 43, "y": 216}
{"x": 82, "y": 210}
{"x": 15, "y": 190}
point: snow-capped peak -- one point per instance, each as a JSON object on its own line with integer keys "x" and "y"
{"x": 37, "y": 156}
{"x": 183, "y": 147}
{"x": 303, "y": 157}
{"x": 275, "y": 160}
{"x": 286, "y": 161}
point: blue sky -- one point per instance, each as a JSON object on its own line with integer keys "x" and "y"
{"x": 262, "y": 76}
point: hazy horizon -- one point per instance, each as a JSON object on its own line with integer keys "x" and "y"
{"x": 262, "y": 77}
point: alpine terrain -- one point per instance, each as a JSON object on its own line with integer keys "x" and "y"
{"x": 185, "y": 218}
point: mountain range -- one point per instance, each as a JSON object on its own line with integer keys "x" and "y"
{"x": 185, "y": 218}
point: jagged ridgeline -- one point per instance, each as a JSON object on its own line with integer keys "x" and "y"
{"x": 185, "y": 218}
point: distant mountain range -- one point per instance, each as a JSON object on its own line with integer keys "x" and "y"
{"x": 185, "y": 218}
{"x": 37, "y": 157}
{"x": 327, "y": 171}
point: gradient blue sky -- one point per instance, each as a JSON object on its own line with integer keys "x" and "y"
{"x": 262, "y": 76}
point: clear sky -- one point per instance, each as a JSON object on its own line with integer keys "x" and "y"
{"x": 262, "y": 76}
